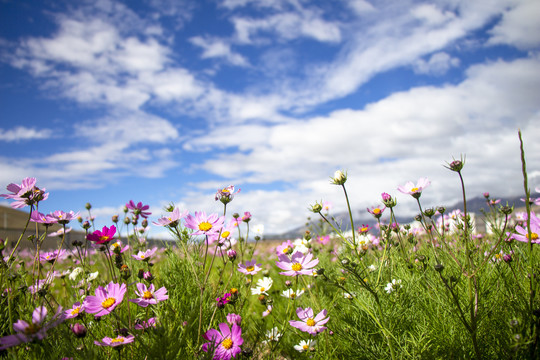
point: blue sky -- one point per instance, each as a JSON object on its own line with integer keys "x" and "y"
{"x": 166, "y": 101}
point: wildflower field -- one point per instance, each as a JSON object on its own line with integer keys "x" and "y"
{"x": 437, "y": 291}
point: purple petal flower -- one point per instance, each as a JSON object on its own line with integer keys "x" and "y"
{"x": 298, "y": 264}
{"x": 149, "y": 296}
{"x": 105, "y": 300}
{"x": 309, "y": 323}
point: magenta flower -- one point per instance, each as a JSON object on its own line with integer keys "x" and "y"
{"x": 62, "y": 217}
{"x": 139, "y": 209}
{"x": 172, "y": 220}
{"x": 117, "y": 341}
{"x": 102, "y": 236}
{"x": 224, "y": 300}
{"x": 308, "y": 323}
{"x": 250, "y": 267}
{"x": 286, "y": 247}
{"x": 27, "y": 193}
{"x": 376, "y": 211}
{"x": 234, "y": 319}
{"x": 75, "y": 311}
{"x": 523, "y": 233}
{"x": 298, "y": 264}
{"x": 247, "y": 216}
{"x": 204, "y": 225}
{"x": 146, "y": 324}
{"x": 414, "y": 190}
{"x": 104, "y": 302}
{"x": 149, "y": 296}
{"x": 225, "y": 343}
{"x": 37, "y": 330}
{"x": 145, "y": 255}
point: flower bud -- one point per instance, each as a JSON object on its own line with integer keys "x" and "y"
{"x": 88, "y": 206}
{"x": 339, "y": 178}
{"x": 79, "y": 330}
{"x": 439, "y": 267}
{"x": 127, "y": 220}
{"x": 429, "y": 212}
{"x": 441, "y": 210}
{"x": 231, "y": 254}
{"x": 288, "y": 283}
{"x": 316, "y": 208}
{"x": 114, "y": 219}
{"x": 456, "y": 165}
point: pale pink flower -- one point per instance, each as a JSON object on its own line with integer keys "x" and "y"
{"x": 298, "y": 264}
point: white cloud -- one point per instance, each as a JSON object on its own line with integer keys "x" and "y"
{"x": 519, "y": 26}
{"x": 217, "y": 48}
{"x": 438, "y": 64}
{"x": 22, "y": 133}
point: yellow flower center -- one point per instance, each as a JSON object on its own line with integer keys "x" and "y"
{"x": 414, "y": 189}
{"x": 250, "y": 268}
{"x": 376, "y": 211}
{"x": 296, "y": 267}
{"x": 234, "y": 291}
{"x": 147, "y": 295}
{"x": 31, "y": 329}
{"x": 104, "y": 238}
{"x": 108, "y": 302}
{"x": 118, "y": 340}
{"x": 534, "y": 236}
{"x": 293, "y": 295}
{"x": 227, "y": 343}
{"x": 305, "y": 347}
{"x": 310, "y": 322}
{"x": 48, "y": 257}
{"x": 116, "y": 245}
{"x": 142, "y": 256}
{"x": 262, "y": 289}
{"x": 76, "y": 311}
{"x": 286, "y": 250}
{"x": 205, "y": 226}
{"x": 364, "y": 229}
{"x": 225, "y": 234}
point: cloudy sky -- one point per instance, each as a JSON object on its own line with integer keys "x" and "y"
{"x": 166, "y": 101}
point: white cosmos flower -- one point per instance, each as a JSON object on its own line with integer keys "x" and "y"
{"x": 93, "y": 276}
{"x": 75, "y": 273}
{"x": 305, "y": 345}
{"x": 289, "y": 293}
{"x": 262, "y": 286}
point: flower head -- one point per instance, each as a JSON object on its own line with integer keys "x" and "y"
{"x": 298, "y": 264}
{"x": 138, "y": 209}
{"x": 117, "y": 341}
{"x": 51, "y": 256}
{"x": 226, "y": 195}
{"x": 291, "y": 294}
{"x": 234, "y": 319}
{"x": 523, "y": 233}
{"x": 102, "y": 236}
{"x": 286, "y": 248}
{"x": 203, "y": 224}
{"x": 145, "y": 255}
{"x": 75, "y": 311}
{"x": 376, "y": 211}
{"x": 25, "y": 194}
{"x": 339, "y": 178}
{"x": 225, "y": 342}
{"x": 309, "y": 323}
{"x": 262, "y": 286}
{"x": 105, "y": 300}
{"x": 145, "y": 324}
{"x": 305, "y": 345}
{"x": 273, "y": 335}
{"x": 62, "y": 217}
{"x": 414, "y": 190}
{"x": 250, "y": 267}
{"x": 38, "y": 217}
{"x": 36, "y": 330}
{"x": 172, "y": 219}
{"x": 149, "y": 296}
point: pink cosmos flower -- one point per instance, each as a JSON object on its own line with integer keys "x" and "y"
{"x": 118, "y": 245}
{"x": 50, "y": 256}
{"x": 25, "y": 194}
{"x": 414, "y": 190}
{"x": 149, "y": 296}
{"x": 138, "y": 209}
{"x": 523, "y": 233}
{"x": 250, "y": 267}
{"x": 234, "y": 319}
{"x": 146, "y": 324}
{"x": 117, "y": 341}
{"x": 105, "y": 300}
{"x": 376, "y": 211}
{"x": 145, "y": 255}
{"x": 226, "y": 195}
{"x": 225, "y": 342}
{"x": 298, "y": 264}
{"x": 62, "y": 217}
{"x": 75, "y": 311}
{"x": 172, "y": 219}
{"x": 285, "y": 247}
{"x": 323, "y": 239}
{"x": 60, "y": 232}
{"x": 203, "y": 224}
{"x": 38, "y": 217}
{"x": 247, "y": 217}
{"x": 308, "y": 323}
{"x": 37, "y": 330}
{"x": 102, "y": 236}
